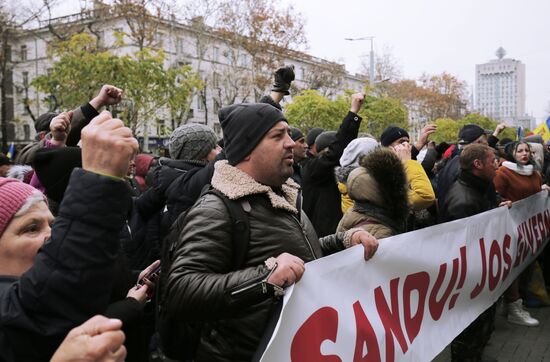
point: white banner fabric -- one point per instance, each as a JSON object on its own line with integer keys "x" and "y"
{"x": 417, "y": 293}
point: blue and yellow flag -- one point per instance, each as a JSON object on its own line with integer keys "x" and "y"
{"x": 11, "y": 152}
{"x": 543, "y": 131}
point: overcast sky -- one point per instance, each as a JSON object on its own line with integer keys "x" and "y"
{"x": 434, "y": 36}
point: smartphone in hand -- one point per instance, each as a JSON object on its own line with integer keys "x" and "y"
{"x": 152, "y": 275}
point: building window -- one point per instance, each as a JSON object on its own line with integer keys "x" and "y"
{"x": 23, "y": 53}
{"x": 200, "y": 102}
{"x": 25, "y": 76}
{"x": 216, "y": 106}
{"x": 215, "y": 54}
{"x": 158, "y": 38}
{"x": 215, "y": 80}
{"x": 27, "y": 132}
{"x": 179, "y": 45}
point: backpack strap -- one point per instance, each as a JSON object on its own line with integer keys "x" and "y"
{"x": 241, "y": 225}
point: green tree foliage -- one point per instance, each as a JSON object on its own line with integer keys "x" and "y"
{"x": 447, "y": 129}
{"x": 81, "y": 69}
{"x": 310, "y": 109}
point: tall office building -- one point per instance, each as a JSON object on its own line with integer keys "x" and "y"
{"x": 500, "y": 89}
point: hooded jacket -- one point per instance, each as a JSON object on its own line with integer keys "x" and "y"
{"x": 379, "y": 191}
{"x": 202, "y": 285}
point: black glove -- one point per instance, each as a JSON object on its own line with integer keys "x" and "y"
{"x": 283, "y": 77}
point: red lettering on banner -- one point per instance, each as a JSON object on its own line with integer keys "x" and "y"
{"x": 319, "y": 327}
{"x": 521, "y": 241}
{"x": 365, "y": 336}
{"x": 546, "y": 217}
{"x": 479, "y": 286}
{"x": 390, "y": 319}
{"x": 419, "y": 282}
{"x": 543, "y": 231}
{"x": 506, "y": 256}
{"x": 436, "y": 306}
{"x": 463, "y": 270}
{"x": 535, "y": 228}
{"x": 494, "y": 252}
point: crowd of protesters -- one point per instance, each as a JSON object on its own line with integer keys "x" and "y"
{"x": 109, "y": 254}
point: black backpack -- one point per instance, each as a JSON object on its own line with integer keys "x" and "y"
{"x": 179, "y": 340}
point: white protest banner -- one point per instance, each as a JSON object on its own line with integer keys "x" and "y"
{"x": 419, "y": 291}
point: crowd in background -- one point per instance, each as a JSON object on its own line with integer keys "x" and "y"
{"x": 111, "y": 254}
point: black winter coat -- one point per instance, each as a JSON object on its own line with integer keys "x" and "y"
{"x": 322, "y": 200}
{"x": 449, "y": 174}
{"x": 71, "y": 278}
{"x": 468, "y": 196}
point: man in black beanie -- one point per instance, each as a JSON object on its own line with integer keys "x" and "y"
{"x": 310, "y": 140}
{"x": 204, "y": 284}
{"x": 300, "y": 153}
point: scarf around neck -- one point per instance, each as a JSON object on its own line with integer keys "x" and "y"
{"x": 526, "y": 170}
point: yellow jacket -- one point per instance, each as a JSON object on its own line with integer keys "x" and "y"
{"x": 421, "y": 192}
{"x": 346, "y": 201}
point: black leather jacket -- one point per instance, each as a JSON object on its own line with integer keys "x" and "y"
{"x": 236, "y": 304}
{"x": 468, "y": 196}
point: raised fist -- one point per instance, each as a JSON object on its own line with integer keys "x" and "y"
{"x": 107, "y": 146}
{"x": 283, "y": 78}
{"x": 107, "y": 96}
{"x": 60, "y": 127}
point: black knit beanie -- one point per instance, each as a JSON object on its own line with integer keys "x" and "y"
{"x": 296, "y": 134}
{"x": 312, "y": 135}
{"x": 244, "y": 125}
{"x": 325, "y": 139}
{"x": 391, "y": 134}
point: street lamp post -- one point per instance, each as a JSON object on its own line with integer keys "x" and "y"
{"x": 371, "y": 68}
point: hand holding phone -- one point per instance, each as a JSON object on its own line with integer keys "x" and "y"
{"x": 148, "y": 277}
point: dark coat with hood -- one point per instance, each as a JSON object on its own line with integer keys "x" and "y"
{"x": 71, "y": 278}
{"x": 202, "y": 285}
{"x": 379, "y": 191}
{"x": 322, "y": 200}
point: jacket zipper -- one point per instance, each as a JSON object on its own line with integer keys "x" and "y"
{"x": 244, "y": 289}
{"x": 305, "y": 236}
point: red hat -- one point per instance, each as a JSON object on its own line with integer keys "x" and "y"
{"x": 13, "y": 194}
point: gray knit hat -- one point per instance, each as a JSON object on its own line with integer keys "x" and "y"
{"x": 191, "y": 141}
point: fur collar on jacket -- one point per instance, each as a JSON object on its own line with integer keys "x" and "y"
{"x": 235, "y": 184}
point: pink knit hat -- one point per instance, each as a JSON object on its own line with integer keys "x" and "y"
{"x": 13, "y": 194}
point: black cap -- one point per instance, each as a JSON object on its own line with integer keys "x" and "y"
{"x": 325, "y": 139}
{"x": 469, "y": 133}
{"x": 244, "y": 125}
{"x": 391, "y": 134}
{"x": 42, "y": 123}
{"x": 312, "y": 135}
